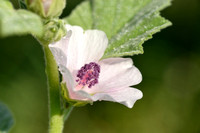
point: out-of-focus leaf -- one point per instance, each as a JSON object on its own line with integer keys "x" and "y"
{"x": 6, "y": 119}
{"x": 18, "y": 22}
{"x": 22, "y": 4}
{"x": 127, "y": 23}
{"x": 81, "y": 16}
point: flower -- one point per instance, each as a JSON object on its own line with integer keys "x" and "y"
{"x": 87, "y": 77}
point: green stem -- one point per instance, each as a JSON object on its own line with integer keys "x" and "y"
{"x": 56, "y": 122}
{"x": 67, "y": 112}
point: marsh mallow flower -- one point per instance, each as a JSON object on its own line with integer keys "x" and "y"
{"x": 88, "y": 77}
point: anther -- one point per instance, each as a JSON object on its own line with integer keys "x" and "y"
{"x": 88, "y": 74}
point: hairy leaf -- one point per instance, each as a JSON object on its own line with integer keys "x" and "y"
{"x": 81, "y": 16}
{"x": 18, "y": 22}
{"x": 127, "y": 23}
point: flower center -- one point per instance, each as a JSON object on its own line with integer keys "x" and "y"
{"x": 88, "y": 75}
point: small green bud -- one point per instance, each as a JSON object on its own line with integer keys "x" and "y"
{"x": 46, "y": 8}
{"x": 54, "y": 30}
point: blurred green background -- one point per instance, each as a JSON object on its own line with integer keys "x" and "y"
{"x": 170, "y": 67}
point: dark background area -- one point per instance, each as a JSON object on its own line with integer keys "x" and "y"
{"x": 170, "y": 67}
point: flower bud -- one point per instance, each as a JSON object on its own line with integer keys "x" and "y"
{"x": 54, "y": 30}
{"x": 46, "y": 8}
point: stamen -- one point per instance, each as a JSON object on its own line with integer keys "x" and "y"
{"x": 88, "y": 74}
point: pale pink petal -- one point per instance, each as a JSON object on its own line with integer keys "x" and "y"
{"x": 85, "y": 47}
{"x": 95, "y": 43}
{"x": 126, "y": 96}
{"x": 59, "y": 49}
{"x": 46, "y": 5}
{"x": 116, "y": 73}
{"x": 75, "y": 45}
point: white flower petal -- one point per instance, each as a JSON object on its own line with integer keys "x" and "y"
{"x": 85, "y": 47}
{"x": 82, "y": 95}
{"x": 94, "y": 46}
{"x": 59, "y": 49}
{"x": 75, "y": 45}
{"x": 126, "y": 96}
{"x": 116, "y": 73}
{"x": 67, "y": 78}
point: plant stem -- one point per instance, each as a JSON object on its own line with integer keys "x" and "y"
{"x": 56, "y": 122}
{"x": 67, "y": 112}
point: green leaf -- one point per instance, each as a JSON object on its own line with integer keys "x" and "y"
{"x": 81, "y": 16}
{"x": 18, "y": 22}
{"x": 6, "y": 119}
{"x": 127, "y": 23}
